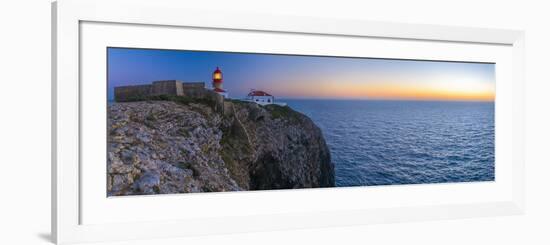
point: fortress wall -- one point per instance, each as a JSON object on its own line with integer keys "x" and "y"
{"x": 129, "y": 93}
{"x": 193, "y": 85}
{"x": 228, "y": 108}
{"x": 196, "y": 93}
{"x": 219, "y": 99}
{"x": 204, "y": 93}
{"x": 195, "y": 90}
{"x": 179, "y": 89}
{"x": 168, "y": 87}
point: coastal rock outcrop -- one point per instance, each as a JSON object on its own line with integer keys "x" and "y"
{"x": 163, "y": 146}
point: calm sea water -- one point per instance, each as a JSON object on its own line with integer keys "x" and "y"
{"x": 405, "y": 142}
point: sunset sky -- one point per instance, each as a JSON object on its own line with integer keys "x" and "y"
{"x": 315, "y": 77}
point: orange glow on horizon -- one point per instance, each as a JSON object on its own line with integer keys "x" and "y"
{"x": 392, "y": 91}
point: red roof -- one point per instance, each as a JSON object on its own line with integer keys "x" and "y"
{"x": 258, "y": 93}
{"x": 219, "y": 90}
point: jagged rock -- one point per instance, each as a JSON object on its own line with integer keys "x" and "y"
{"x": 160, "y": 147}
{"x": 149, "y": 183}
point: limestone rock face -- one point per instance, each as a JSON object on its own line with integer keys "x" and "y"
{"x": 157, "y": 147}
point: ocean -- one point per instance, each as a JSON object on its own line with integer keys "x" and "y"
{"x": 405, "y": 142}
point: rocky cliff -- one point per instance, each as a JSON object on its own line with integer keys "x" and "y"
{"x": 172, "y": 147}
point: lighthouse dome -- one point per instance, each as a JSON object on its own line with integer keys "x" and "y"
{"x": 217, "y": 84}
{"x": 217, "y": 75}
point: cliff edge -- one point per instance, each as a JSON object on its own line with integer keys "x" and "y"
{"x": 163, "y": 146}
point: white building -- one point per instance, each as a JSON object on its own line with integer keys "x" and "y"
{"x": 262, "y": 98}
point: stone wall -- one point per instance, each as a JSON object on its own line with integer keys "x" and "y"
{"x": 219, "y": 99}
{"x": 193, "y": 85}
{"x": 168, "y": 87}
{"x": 228, "y": 108}
{"x": 204, "y": 93}
{"x": 134, "y": 92}
{"x": 195, "y": 90}
{"x": 137, "y": 92}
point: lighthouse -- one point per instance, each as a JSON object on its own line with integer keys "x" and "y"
{"x": 217, "y": 83}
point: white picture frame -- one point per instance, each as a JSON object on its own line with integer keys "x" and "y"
{"x": 69, "y": 197}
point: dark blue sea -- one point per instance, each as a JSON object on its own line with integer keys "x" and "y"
{"x": 405, "y": 142}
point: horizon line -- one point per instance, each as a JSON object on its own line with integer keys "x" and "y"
{"x": 363, "y": 99}
{"x": 375, "y": 99}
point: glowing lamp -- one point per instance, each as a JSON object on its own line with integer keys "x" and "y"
{"x": 217, "y": 75}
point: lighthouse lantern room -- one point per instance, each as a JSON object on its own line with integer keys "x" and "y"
{"x": 217, "y": 83}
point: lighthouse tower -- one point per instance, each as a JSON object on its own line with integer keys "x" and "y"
{"x": 217, "y": 82}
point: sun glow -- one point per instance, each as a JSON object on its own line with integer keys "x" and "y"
{"x": 466, "y": 88}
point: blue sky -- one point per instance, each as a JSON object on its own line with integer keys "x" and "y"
{"x": 291, "y": 76}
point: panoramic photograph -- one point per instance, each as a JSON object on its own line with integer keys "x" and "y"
{"x": 181, "y": 121}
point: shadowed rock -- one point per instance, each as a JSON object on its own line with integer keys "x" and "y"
{"x": 159, "y": 147}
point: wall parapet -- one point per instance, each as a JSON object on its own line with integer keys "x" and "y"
{"x": 164, "y": 87}
{"x": 195, "y": 90}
